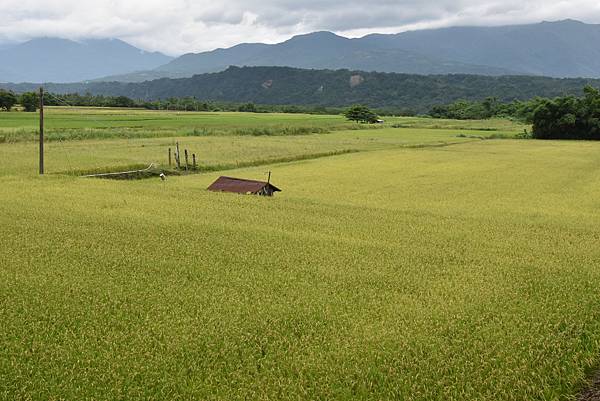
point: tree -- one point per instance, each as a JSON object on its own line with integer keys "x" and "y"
{"x": 490, "y": 107}
{"x": 569, "y": 117}
{"x": 361, "y": 114}
{"x": 122, "y": 101}
{"x": 248, "y": 108}
{"x": 7, "y": 100}
{"x": 29, "y": 101}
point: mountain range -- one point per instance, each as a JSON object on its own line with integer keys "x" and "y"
{"x": 556, "y": 49}
{"x": 560, "y": 49}
{"x": 62, "y": 60}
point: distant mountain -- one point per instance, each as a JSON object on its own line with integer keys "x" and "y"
{"x": 557, "y": 49}
{"x": 319, "y": 50}
{"x": 323, "y": 50}
{"x": 61, "y": 60}
{"x": 291, "y": 86}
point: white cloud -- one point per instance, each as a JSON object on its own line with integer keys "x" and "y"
{"x": 179, "y": 26}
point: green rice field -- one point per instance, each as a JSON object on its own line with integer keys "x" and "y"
{"x": 418, "y": 260}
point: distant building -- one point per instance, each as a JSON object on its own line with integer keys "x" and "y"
{"x": 243, "y": 186}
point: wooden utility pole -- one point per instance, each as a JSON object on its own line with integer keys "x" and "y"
{"x": 41, "y": 130}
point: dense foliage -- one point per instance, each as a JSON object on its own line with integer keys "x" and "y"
{"x": 30, "y": 101}
{"x": 7, "y": 100}
{"x": 487, "y": 108}
{"x": 569, "y": 117}
{"x": 179, "y": 104}
{"x": 566, "y": 117}
{"x": 361, "y": 114}
{"x": 389, "y": 92}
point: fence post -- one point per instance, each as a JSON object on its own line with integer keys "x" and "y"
{"x": 41, "y": 161}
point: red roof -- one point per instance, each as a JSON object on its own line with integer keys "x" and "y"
{"x": 240, "y": 185}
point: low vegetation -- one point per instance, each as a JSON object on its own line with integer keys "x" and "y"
{"x": 65, "y": 123}
{"x": 80, "y": 123}
{"x": 392, "y": 265}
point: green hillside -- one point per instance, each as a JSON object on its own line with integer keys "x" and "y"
{"x": 291, "y": 86}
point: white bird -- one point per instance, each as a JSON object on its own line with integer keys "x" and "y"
{"x": 163, "y": 176}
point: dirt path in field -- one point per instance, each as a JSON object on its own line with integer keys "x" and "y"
{"x": 591, "y": 393}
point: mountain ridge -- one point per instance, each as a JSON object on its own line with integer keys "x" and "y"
{"x": 63, "y": 60}
{"x": 557, "y": 49}
{"x": 565, "y": 48}
{"x": 333, "y": 88}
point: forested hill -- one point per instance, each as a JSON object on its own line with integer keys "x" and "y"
{"x": 284, "y": 85}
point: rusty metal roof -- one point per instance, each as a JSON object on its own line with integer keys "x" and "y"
{"x": 240, "y": 185}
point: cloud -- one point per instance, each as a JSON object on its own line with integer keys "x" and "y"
{"x": 179, "y": 26}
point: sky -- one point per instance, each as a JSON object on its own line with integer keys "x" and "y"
{"x": 175, "y": 27}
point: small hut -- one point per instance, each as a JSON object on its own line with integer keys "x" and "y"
{"x": 243, "y": 186}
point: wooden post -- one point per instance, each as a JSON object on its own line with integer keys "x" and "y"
{"x": 269, "y": 179}
{"x": 194, "y": 161}
{"x": 169, "y": 157}
{"x": 177, "y": 159}
{"x": 185, "y": 152}
{"x": 41, "y": 131}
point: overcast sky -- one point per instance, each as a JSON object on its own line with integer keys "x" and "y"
{"x": 179, "y": 26}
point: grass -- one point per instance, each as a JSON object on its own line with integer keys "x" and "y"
{"x": 212, "y": 151}
{"x": 403, "y": 271}
{"x": 89, "y": 123}
{"x": 495, "y": 124}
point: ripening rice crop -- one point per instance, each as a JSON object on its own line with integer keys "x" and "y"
{"x": 467, "y": 272}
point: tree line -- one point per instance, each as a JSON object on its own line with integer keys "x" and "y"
{"x": 490, "y": 107}
{"x": 28, "y": 100}
{"x": 565, "y": 117}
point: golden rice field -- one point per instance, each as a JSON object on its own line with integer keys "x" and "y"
{"x": 421, "y": 266}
